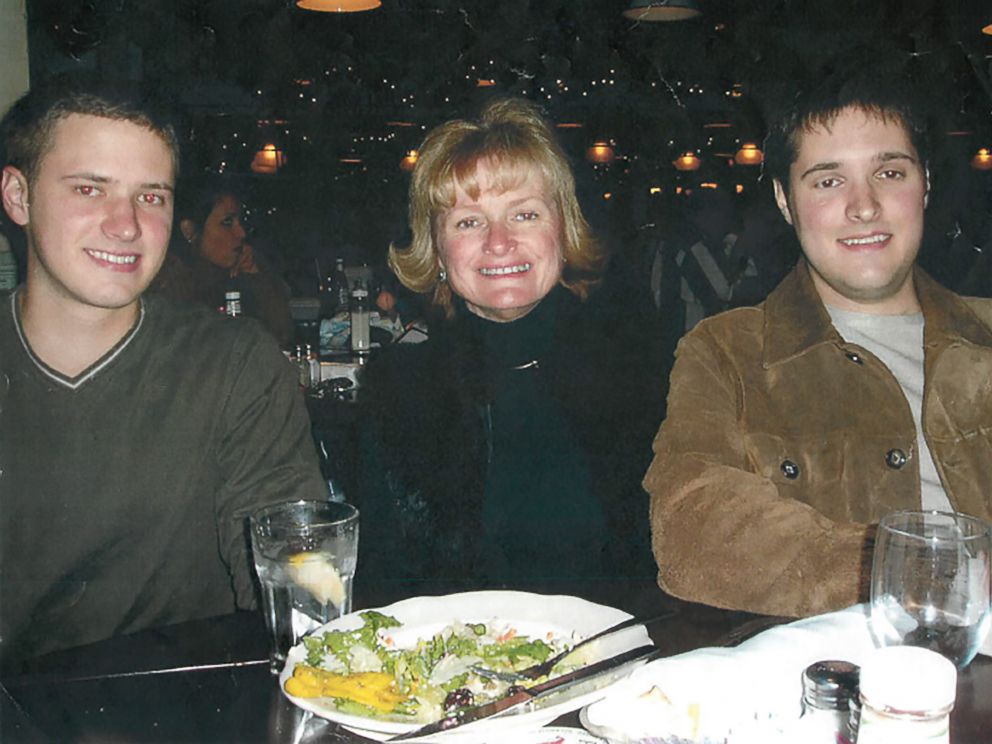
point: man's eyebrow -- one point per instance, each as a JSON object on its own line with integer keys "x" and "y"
{"x": 882, "y": 157}
{"x": 95, "y": 178}
{"x": 819, "y": 167}
{"x": 87, "y": 176}
{"x": 885, "y": 157}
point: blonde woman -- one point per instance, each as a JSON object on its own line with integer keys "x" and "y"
{"x": 511, "y": 444}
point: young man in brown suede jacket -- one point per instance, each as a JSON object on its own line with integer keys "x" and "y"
{"x": 859, "y": 387}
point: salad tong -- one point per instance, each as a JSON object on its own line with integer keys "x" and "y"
{"x": 543, "y": 668}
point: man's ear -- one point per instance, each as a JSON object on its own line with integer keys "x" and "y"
{"x": 782, "y": 200}
{"x": 14, "y": 188}
{"x": 188, "y": 229}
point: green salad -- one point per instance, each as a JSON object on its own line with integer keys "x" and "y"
{"x": 427, "y": 679}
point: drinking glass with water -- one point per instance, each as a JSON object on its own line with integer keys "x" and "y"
{"x": 305, "y": 555}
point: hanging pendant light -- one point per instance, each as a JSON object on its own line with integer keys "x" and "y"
{"x": 982, "y": 160}
{"x": 749, "y": 154}
{"x": 269, "y": 159}
{"x": 661, "y": 10}
{"x": 409, "y": 161}
{"x": 688, "y": 161}
{"x": 600, "y": 153}
{"x": 338, "y": 6}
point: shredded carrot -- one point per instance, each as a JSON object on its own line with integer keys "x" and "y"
{"x": 507, "y": 635}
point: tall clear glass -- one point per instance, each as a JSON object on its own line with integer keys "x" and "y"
{"x": 305, "y": 555}
{"x": 931, "y": 583}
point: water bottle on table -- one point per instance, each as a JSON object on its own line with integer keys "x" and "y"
{"x": 361, "y": 342}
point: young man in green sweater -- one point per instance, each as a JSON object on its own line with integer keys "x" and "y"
{"x": 136, "y": 434}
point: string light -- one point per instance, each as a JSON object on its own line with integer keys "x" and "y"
{"x": 598, "y": 85}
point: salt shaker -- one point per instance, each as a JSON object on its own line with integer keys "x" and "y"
{"x": 907, "y": 694}
{"x": 828, "y": 687}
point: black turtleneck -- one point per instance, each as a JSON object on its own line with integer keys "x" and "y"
{"x": 540, "y": 516}
{"x": 507, "y": 452}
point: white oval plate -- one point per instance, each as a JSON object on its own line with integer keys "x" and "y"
{"x": 532, "y": 614}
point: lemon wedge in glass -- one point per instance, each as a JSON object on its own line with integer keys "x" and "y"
{"x": 315, "y": 573}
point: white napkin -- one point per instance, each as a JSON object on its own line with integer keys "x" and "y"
{"x": 740, "y": 695}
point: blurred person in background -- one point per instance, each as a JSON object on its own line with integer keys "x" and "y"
{"x": 703, "y": 262}
{"x": 510, "y": 444}
{"x": 211, "y": 256}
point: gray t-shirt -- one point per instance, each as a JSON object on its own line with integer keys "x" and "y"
{"x": 897, "y": 340}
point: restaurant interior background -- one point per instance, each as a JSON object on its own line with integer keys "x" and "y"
{"x": 319, "y": 113}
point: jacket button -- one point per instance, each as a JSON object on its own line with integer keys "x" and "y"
{"x": 856, "y": 358}
{"x": 895, "y": 458}
{"x": 790, "y": 470}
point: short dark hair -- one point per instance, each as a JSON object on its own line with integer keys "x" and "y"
{"x": 886, "y": 95}
{"x": 197, "y": 195}
{"x": 27, "y": 129}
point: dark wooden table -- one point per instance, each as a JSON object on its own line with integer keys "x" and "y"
{"x": 208, "y": 680}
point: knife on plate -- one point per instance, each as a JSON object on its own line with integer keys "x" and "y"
{"x": 523, "y": 696}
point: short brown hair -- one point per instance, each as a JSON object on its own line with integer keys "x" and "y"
{"x": 880, "y": 94}
{"x": 513, "y": 136}
{"x": 27, "y": 129}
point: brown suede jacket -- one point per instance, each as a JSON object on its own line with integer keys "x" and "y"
{"x": 784, "y": 444}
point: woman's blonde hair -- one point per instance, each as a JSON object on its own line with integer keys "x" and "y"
{"x": 512, "y": 137}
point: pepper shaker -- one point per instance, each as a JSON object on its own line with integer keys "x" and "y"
{"x": 828, "y": 687}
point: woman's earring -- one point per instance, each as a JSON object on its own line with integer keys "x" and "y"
{"x": 443, "y": 276}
